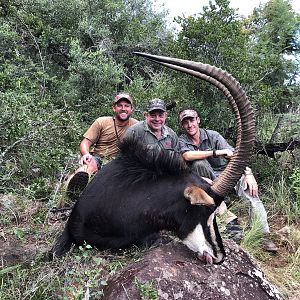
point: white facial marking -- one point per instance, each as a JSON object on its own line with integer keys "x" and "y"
{"x": 210, "y": 220}
{"x": 196, "y": 241}
{"x": 210, "y": 224}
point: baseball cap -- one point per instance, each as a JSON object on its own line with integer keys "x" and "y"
{"x": 156, "y": 104}
{"x": 187, "y": 113}
{"x": 121, "y": 96}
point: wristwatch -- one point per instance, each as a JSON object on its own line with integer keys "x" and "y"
{"x": 248, "y": 171}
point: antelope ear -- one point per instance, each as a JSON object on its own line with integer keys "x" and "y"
{"x": 197, "y": 196}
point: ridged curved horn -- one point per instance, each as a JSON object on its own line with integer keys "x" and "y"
{"x": 240, "y": 105}
{"x": 216, "y": 83}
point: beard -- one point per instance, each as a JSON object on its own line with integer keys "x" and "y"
{"x": 125, "y": 116}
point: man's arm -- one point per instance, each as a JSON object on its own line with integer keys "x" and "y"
{"x": 85, "y": 151}
{"x": 195, "y": 155}
{"x": 250, "y": 182}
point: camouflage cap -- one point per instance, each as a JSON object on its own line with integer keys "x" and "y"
{"x": 121, "y": 96}
{"x": 156, "y": 104}
{"x": 187, "y": 113}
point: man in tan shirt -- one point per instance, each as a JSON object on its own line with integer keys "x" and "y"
{"x": 100, "y": 142}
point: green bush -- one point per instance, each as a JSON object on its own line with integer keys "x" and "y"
{"x": 295, "y": 178}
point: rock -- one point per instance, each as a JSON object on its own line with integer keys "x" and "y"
{"x": 284, "y": 231}
{"x": 7, "y": 202}
{"x": 177, "y": 273}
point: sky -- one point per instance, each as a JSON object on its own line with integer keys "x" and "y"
{"x": 189, "y": 7}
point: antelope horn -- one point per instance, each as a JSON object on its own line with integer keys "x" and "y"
{"x": 213, "y": 81}
{"x": 240, "y": 105}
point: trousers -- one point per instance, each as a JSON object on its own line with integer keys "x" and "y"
{"x": 257, "y": 210}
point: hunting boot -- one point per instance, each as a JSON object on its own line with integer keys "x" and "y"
{"x": 268, "y": 245}
{"x": 77, "y": 183}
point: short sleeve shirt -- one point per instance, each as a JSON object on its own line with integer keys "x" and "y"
{"x": 209, "y": 140}
{"x": 104, "y": 136}
{"x": 168, "y": 139}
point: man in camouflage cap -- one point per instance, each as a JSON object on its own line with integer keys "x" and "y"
{"x": 208, "y": 153}
{"x": 153, "y": 131}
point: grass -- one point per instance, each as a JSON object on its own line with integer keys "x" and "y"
{"x": 147, "y": 289}
{"x": 282, "y": 201}
{"x": 35, "y": 282}
{"x": 84, "y": 272}
{"x": 285, "y": 272}
{"x": 283, "y": 215}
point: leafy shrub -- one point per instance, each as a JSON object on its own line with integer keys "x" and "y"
{"x": 295, "y": 178}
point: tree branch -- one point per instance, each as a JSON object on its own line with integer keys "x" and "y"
{"x": 270, "y": 149}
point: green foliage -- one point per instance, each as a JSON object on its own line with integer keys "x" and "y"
{"x": 273, "y": 28}
{"x": 212, "y": 37}
{"x": 61, "y": 63}
{"x": 8, "y": 269}
{"x": 280, "y": 200}
{"x": 275, "y": 25}
{"x": 82, "y": 279}
{"x": 39, "y": 216}
{"x": 253, "y": 236}
{"x": 28, "y": 150}
{"x": 146, "y": 289}
{"x": 21, "y": 283}
{"x": 93, "y": 79}
{"x": 295, "y": 178}
{"x": 249, "y": 49}
{"x": 277, "y": 127}
{"x": 84, "y": 272}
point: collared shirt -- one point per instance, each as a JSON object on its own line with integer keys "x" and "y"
{"x": 209, "y": 140}
{"x": 168, "y": 139}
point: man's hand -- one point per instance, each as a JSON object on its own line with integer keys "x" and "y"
{"x": 86, "y": 159}
{"x": 251, "y": 185}
{"x": 226, "y": 153}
